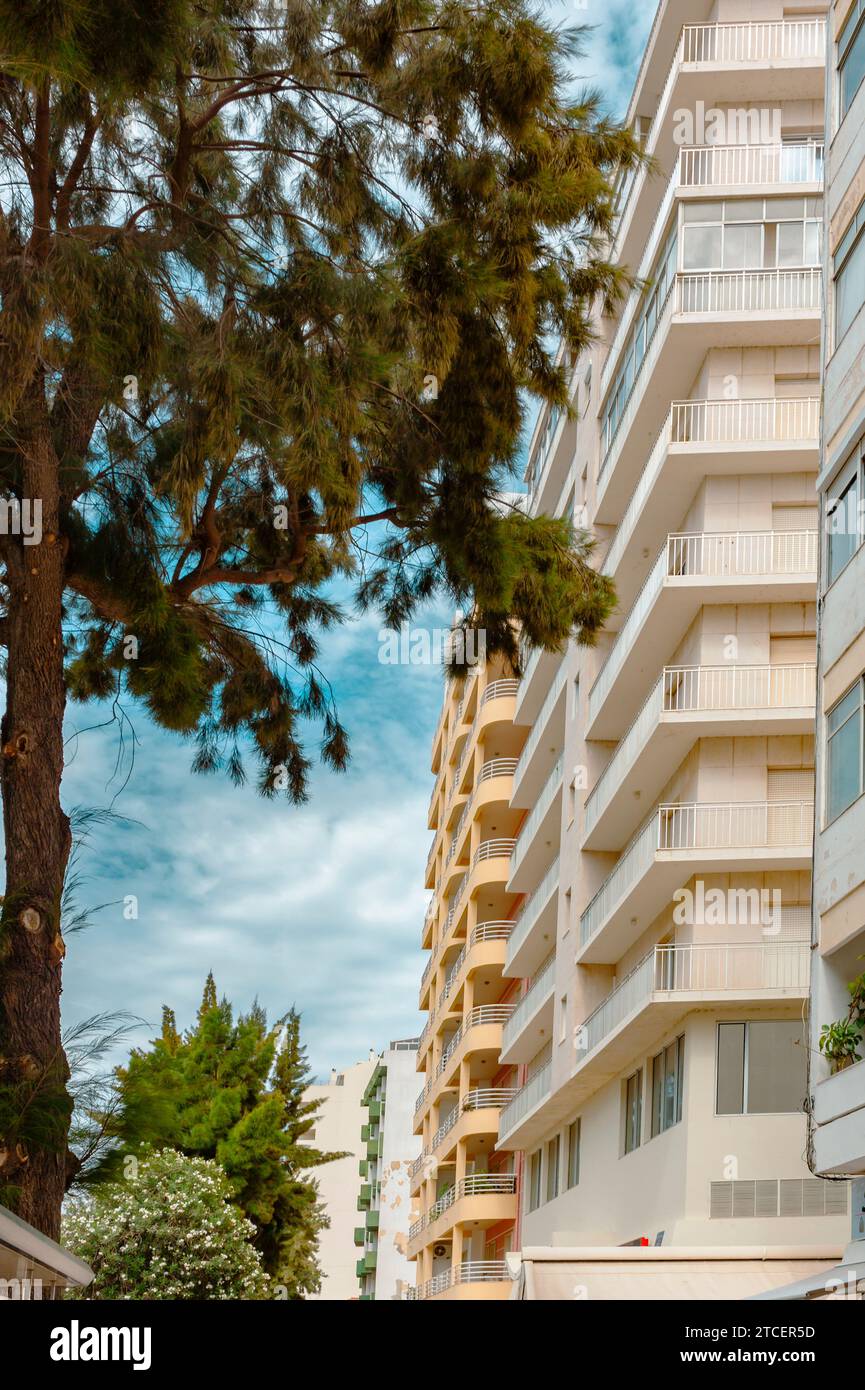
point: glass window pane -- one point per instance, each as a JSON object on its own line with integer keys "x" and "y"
{"x": 790, "y": 243}
{"x": 680, "y": 1076}
{"x": 731, "y": 1068}
{"x": 744, "y": 210}
{"x": 845, "y": 767}
{"x": 657, "y": 1092}
{"x": 776, "y": 1067}
{"x": 702, "y": 248}
{"x": 783, "y": 209}
{"x": 841, "y": 712}
{"x": 812, "y": 243}
{"x": 850, "y": 289}
{"x": 703, "y": 212}
{"x": 843, "y": 527}
{"x": 574, "y": 1153}
{"x": 552, "y": 1169}
{"x": 669, "y": 1116}
{"x": 852, "y": 69}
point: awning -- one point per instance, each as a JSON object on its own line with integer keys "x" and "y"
{"x": 28, "y": 1259}
{"x": 647, "y": 1273}
{"x": 845, "y": 1280}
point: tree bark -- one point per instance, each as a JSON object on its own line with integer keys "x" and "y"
{"x": 33, "y": 1068}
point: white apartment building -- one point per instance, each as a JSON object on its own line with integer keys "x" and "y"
{"x": 338, "y": 1130}
{"x": 387, "y": 1106}
{"x": 660, "y": 881}
{"x": 838, "y": 1081}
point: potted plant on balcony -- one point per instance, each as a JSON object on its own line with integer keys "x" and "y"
{"x": 839, "y": 1042}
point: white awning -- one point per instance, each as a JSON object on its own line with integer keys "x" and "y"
{"x": 648, "y": 1273}
{"x": 27, "y": 1255}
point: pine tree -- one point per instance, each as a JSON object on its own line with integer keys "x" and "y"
{"x": 278, "y": 283}
{"x": 233, "y": 1090}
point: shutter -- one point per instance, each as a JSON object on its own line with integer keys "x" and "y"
{"x": 794, "y": 518}
{"x": 790, "y": 651}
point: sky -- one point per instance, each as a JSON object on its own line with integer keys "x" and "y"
{"x": 318, "y": 907}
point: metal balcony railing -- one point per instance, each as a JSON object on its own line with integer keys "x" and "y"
{"x": 539, "y": 990}
{"x": 722, "y": 165}
{"x": 528, "y": 913}
{"x": 703, "y": 689}
{"x": 743, "y": 554}
{"x": 540, "y": 724}
{"x": 481, "y": 1016}
{"x": 545, "y": 799}
{"x": 488, "y": 1097}
{"x": 748, "y": 291}
{"x": 497, "y": 767}
{"x": 469, "y": 1272}
{"x": 525, "y": 1100}
{"x": 493, "y": 849}
{"x": 492, "y": 931}
{"x": 500, "y": 690}
{"x": 701, "y": 968}
{"x": 699, "y": 826}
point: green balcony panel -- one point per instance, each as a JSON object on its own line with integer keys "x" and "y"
{"x": 363, "y": 1167}
{"x": 373, "y": 1148}
{"x": 375, "y": 1110}
{"x": 359, "y": 1235}
{"x": 364, "y": 1133}
{"x": 364, "y": 1197}
{"x": 370, "y": 1260}
{"x": 367, "y": 1298}
{"x": 359, "y": 1269}
{"x": 372, "y": 1221}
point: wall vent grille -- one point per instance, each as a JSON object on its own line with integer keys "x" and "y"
{"x": 778, "y": 1197}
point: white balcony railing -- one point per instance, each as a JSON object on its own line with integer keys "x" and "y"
{"x": 717, "y": 422}
{"x": 482, "y": 1016}
{"x": 526, "y": 1099}
{"x": 748, "y": 291}
{"x": 540, "y": 724}
{"x": 488, "y": 1097}
{"x": 528, "y": 914}
{"x": 493, "y": 849}
{"x": 771, "y": 41}
{"x": 539, "y": 990}
{"x": 503, "y": 689}
{"x": 497, "y": 767}
{"x": 722, "y": 165}
{"x": 730, "y": 554}
{"x": 703, "y": 689}
{"x": 700, "y": 826}
{"x": 545, "y": 799}
{"x": 469, "y": 1272}
{"x": 701, "y": 968}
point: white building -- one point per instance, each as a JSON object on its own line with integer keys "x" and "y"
{"x": 337, "y": 1130}
{"x": 383, "y": 1269}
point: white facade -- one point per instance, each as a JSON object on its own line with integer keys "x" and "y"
{"x": 839, "y": 889}
{"x": 662, "y": 873}
{"x": 337, "y": 1130}
{"x": 393, "y": 1089}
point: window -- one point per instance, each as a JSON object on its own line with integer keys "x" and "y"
{"x": 633, "y": 1111}
{"x": 761, "y": 1068}
{"x": 553, "y": 1169}
{"x": 843, "y": 526}
{"x": 751, "y": 234}
{"x": 535, "y": 1181}
{"x": 848, "y": 269}
{"x": 851, "y": 55}
{"x": 573, "y": 1154}
{"x": 563, "y": 1018}
{"x": 667, "y": 1077}
{"x": 844, "y": 752}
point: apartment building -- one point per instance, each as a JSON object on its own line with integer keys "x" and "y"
{"x": 838, "y": 1080}
{"x": 634, "y": 823}
{"x": 337, "y": 1130}
{"x": 465, "y": 1187}
{"x": 383, "y": 1268}
{"x": 664, "y": 942}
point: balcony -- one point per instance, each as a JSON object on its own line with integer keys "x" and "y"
{"x": 523, "y": 1107}
{"x": 650, "y": 1002}
{"x": 839, "y": 1114}
{"x": 693, "y": 571}
{"x": 534, "y": 927}
{"x": 681, "y": 840}
{"x": 752, "y": 168}
{"x": 702, "y": 310}
{"x": 477, "y": 1114}
{"x": 471, "y": 1280}
{"x": 531, "y": 1023}
{"x": 480, "y": 1032}
{"x": 772, "y": 61}
{"x": 541, "y": 829}
{"x": 688, "y": 703}
{"x": 531, "y": 771}
{"x": 484, "y": 1199}
{"x": 700, "y": 438}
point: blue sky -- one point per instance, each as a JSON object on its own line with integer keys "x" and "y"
{"x": 319, "y": 906}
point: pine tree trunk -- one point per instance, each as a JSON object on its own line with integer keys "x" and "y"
{"x": 33, "y": 1068}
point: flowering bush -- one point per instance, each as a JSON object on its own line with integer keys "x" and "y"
{"x": 167, "y": 1231}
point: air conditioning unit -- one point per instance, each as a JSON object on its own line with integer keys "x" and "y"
{"x": 440, "y": 1251}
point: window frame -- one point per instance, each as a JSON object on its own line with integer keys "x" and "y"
{"x": 845, "y": 42}
{"x": 573, "y": 1139}
{"x": 658, "y": 1112}
{"x": 632, "y": 1137}
{"x": 830, "y": 816}
{"x": 552, "y": 1168}
{"x": 534, "y": 1186}
{"x": 852, "y": 471}
{"x": 744, "y": 1113}
{"x": 850, "y": 242}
